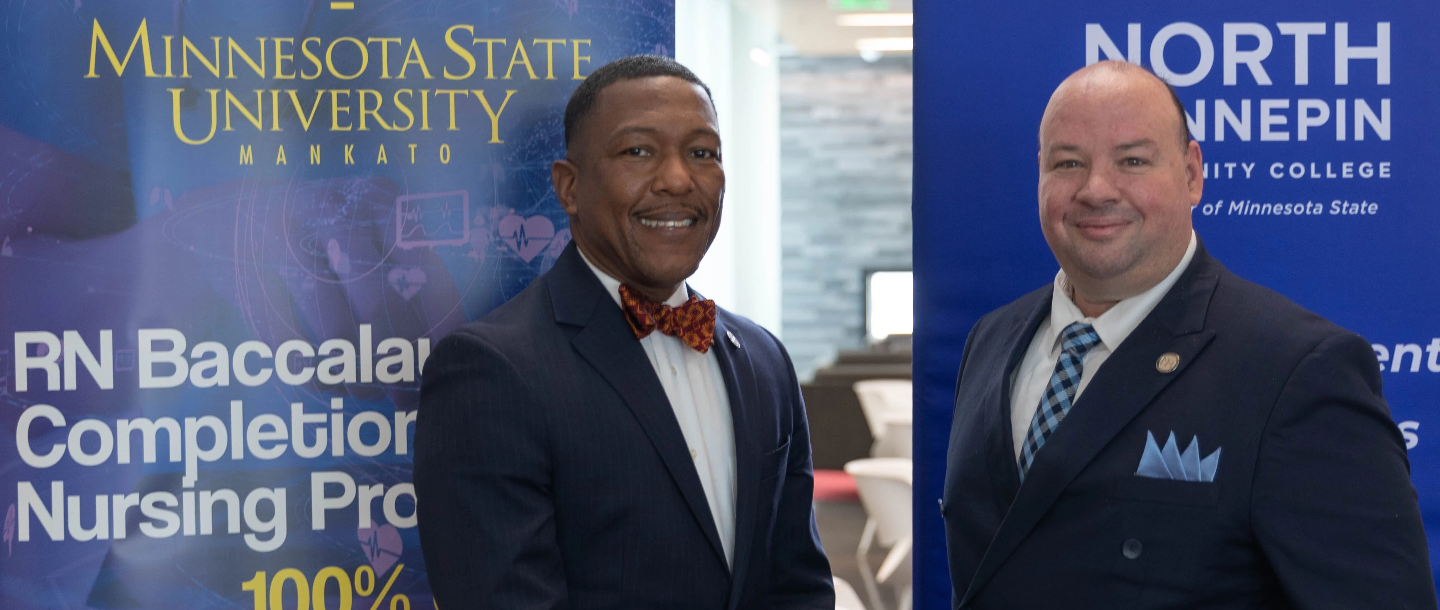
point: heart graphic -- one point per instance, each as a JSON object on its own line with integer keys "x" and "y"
{"x": 382, "y": 546}
{"x": 528, "y": 237}
{"x": 407, "y": 282}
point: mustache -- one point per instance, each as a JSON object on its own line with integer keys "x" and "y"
{"x": 699, "y": 211}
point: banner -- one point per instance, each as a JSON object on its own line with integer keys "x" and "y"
{"x": 230, "y": 234}
{"x": 1316, "y": 121}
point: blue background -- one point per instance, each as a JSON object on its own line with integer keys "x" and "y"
{"x": 983, "y": 74}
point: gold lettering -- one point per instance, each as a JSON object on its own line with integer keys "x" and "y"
{"x": 281, "y": 57}
{"x": 330, "y": 58}
{"x": 300, "y": 112}
{"x": 247, "y": 155}
{"x": 230, "y": 50}
{"x": 381, "y": 158}
{"x": 578, "y": 57}
{"x": 451, "y": 93}
{"x": 494, "y": 114}
{"x": 188, "y": 48}
{"x": 549, "y": 54}
{"x": 280, "y": 156}
{"x": 419, "y": 59}
{"x": 404, "y": 110}
{"x": 274, "y": 110}
{"x": 175, "y": 105}
{"x": 489, "y": 54}
{"x": 97, "y": 37}
{"x": 349, "y": 160}
{"x": 257, "y": 119}
{"x": 169, "y": 64}
{"x": 336, "y": 109}
{"x": 314, "y": 59}
{"x": 459, "y": 50}
{"x": 374, "y": 112}
{"x": 384, "y": 53}
{"x": 522, "y": 58}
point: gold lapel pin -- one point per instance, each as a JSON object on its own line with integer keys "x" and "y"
{"x": 1168, "y": 362}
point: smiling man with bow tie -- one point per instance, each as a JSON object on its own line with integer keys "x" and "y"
{"x": 1281, "y": 480}
{"x": 608, "y": 438}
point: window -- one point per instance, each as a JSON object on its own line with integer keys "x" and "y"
{"x": 889, "y": 303}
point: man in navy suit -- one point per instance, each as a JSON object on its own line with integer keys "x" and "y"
{"x": 1153, "y": 431}
{"x": 608, "y": 439}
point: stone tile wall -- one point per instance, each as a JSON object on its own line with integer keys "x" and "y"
{"x": 846, "y": 163}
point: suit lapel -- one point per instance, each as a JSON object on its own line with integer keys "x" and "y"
{"x": 1124, "y": 386}
{"x": 606, "y": 341}
{"x": 739, "y": 374}
{"x": 1000, "y": 443}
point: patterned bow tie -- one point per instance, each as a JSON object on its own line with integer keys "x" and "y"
{"x": 692, "y": 321}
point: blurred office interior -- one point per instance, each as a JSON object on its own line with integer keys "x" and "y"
{"x": 814, "y": 99}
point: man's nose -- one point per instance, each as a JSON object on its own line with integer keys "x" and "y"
{"x": 1099, "y": 188}
{"x": 673, "y": 177}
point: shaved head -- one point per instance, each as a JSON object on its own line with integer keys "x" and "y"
{"x": 1115, "y": 69}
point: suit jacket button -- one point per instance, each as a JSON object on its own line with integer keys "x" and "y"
{"x": 1132, "y": 549}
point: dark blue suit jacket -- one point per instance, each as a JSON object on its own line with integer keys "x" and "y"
{"x": 1311, "y": 506}
{"x": 551, "y": 472}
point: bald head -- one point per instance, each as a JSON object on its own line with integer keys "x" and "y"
{"x": 1125, "y": 75}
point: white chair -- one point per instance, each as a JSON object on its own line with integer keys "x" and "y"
{"x": 845, "y": 596}
{"x": 897, "y": 440}
{"x": 884, "y": 401}
{"x": 884, "y": 485}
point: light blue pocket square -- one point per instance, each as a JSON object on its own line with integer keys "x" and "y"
{"x": 1171, "y": 463}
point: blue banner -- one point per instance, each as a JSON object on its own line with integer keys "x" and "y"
{"x": 1315, "y": 120}
{"x": 229, "y": 235}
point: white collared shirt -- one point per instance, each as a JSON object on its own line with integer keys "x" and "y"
{"x": 696, "y": 390}
{"x": 1029, "y": 380}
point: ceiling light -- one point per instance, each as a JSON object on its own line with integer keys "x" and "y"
{"x": 760, "y": 56}
{"x": 875, "y": 19}
{"x": 906, "y": 43}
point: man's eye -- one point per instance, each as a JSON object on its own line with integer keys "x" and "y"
{"x": 1067, "y": 164}
{"x": 1133, "y": 162}
{"x": 703, "y": 154}
{"x": 636, "y": 152}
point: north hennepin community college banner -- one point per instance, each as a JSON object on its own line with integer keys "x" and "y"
{"x": 230, "y": 233}
{"x": 1318, "y": 122}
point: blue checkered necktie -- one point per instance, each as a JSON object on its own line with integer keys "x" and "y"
{"x": 1076, "y": 341}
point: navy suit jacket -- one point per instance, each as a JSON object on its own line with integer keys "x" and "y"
{"x": 1311, "y": 505}
{"x": 551, "y": 472}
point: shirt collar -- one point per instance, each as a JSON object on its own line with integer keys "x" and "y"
{"x": 1119, "y": 321}
{"x": 612, "y": 285}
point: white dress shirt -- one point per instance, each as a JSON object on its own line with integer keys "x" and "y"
{"x": 1029, "y": 380}
{"x": 696, "y": 390}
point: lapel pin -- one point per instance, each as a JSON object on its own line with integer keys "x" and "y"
{"x": 731, "y": 336}
{"x": 1168, "y": 362}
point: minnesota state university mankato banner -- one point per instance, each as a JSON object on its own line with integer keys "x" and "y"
{"x": 230, "y": 233}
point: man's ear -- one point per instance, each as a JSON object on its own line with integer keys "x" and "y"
{"x": 1194, "y": 172}
{"x": 563, "y": 174}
